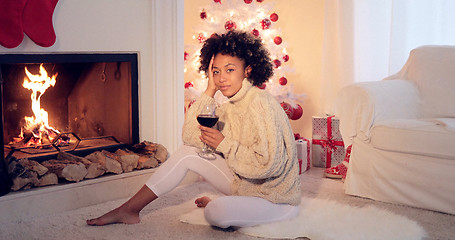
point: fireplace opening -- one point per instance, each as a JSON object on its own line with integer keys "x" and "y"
{"x": 72, "y": 103}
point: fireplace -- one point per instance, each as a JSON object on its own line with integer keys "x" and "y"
{"x": 153, "y": 29}
{"x": 92, "y": 105}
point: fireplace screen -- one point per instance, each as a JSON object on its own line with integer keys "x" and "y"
{"x": 69, "y": 102}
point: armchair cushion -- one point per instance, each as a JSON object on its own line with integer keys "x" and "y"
{"x": 428, "y": 137}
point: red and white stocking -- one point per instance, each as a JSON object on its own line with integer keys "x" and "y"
{"x": 37, "y": 21}
{"x": 11, "y": 33}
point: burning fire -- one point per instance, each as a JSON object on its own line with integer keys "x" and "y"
{"x": 37, "y": 129}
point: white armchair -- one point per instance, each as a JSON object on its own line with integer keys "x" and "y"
{"x": 402, "y": 131}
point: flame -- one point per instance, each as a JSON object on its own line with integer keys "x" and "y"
{"x": 38, "y": 125}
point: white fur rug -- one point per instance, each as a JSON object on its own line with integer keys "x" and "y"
{"x": 326, "y": 219}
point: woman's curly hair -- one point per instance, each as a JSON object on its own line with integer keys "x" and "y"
{"x": 244, "y": 46}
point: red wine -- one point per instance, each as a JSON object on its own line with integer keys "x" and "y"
{"x": 207, "y": 120}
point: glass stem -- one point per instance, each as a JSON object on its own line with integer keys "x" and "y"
{"x": 205, "y": 149}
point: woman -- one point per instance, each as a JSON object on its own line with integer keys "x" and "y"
{"x": 257, "y": 166}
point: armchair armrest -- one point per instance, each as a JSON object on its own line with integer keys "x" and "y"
{"x": 359, "y": 106}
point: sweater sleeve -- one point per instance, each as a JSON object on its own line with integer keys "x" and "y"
{"x": 190, "y": 131}
{"x": 265, "y": 155}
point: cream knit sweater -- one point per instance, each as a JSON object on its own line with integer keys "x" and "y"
{"x": 259, "y": 145}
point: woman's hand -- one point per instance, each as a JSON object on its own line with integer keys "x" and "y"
{"x": 212, "y": 137}
{"x": 211, "y": 86}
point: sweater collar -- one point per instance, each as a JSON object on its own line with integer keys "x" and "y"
{"x": 246, "y": 86}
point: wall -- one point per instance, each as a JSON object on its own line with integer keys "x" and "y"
{"x": 301, "y": 23}
{"x": 154, "y": 29}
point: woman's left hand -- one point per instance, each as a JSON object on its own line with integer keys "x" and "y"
{"x": 211, "y": 85}
{"x": 212, "y": 137}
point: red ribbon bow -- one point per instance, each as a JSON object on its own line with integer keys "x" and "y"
{"x": 330, "y": 143}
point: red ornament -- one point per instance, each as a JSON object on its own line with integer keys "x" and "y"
{"x": 185, "y": 56}
{"x": 200, "y": 37}
{"x": 255, "y": 32}
{"x": 277, "y": 40}
{"x": 298, "y": 112}
{"x": 277, "y": 63}
{"x": 274, "y": 17}
{"x": 259, "y": 1}
{"x": 217, "y": 1}
{"x": 248, "y": 1}
{"x": 283, "y": 81}
{"x": 230, "y": 25}
{"x": 288, "y": 109}
{"x": 188, "y": 84}
{"x": 263, "y": 85}
{"x": 265, "y": 23}
{"x": 286, "y": 58}
{"x": 203, "y": 14}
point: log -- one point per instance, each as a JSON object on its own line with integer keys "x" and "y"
{"x": 74, "y": 172}
{"x": 161, "y": 153}
{"x": 146, "y": 162}
{"x": 24, "y": 173}
{"x": 47, "y": 179}
{"x": 56, "y": 166}
{"x": 127, "y": 159}
{"x": 145, "y": 148}
{"x": 155, "y": 150}
{"x": 70, "y": 170}
{"x": 26, "y": 180}
{"x": 15, "y": 168}
{"x": 33, "y": 166}
{"x": 107, "y": 161}
{"x": 69, "y": 156}
{"x": 94, "y": 169}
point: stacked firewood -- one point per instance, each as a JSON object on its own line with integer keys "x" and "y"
{"x": 68, "y": 167}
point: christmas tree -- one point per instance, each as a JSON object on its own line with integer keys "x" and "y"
{"x": 257, "y": 18}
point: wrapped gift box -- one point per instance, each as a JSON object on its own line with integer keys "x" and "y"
{"x": 303, "y": 154}
{"x": 327, "y": 143}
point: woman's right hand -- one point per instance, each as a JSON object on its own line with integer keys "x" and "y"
{"x": 211, "y": 86}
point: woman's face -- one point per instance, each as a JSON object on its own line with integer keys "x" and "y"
{"x": 228, "y": 73}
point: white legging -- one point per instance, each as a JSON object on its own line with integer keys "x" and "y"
{"x": 226, "y": 211}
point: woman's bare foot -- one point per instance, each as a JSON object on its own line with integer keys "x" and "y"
{"x": 202, "y": 201}
{"x": 118, "y": 215}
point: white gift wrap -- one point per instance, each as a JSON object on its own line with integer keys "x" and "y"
{"x": 304, "y": 154}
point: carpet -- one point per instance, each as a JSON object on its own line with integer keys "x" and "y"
{"x": 160, "y": 220}
{"x": 326, "y": 219}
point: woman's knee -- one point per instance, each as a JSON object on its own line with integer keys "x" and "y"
{"x": 215, "y": 213}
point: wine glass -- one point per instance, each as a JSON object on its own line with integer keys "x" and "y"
{"x": 207, "y": 118}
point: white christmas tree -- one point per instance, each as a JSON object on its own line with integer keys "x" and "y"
{"x": 251, "y": 16}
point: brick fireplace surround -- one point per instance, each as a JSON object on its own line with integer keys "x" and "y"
{"x": 153, "y": 29}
